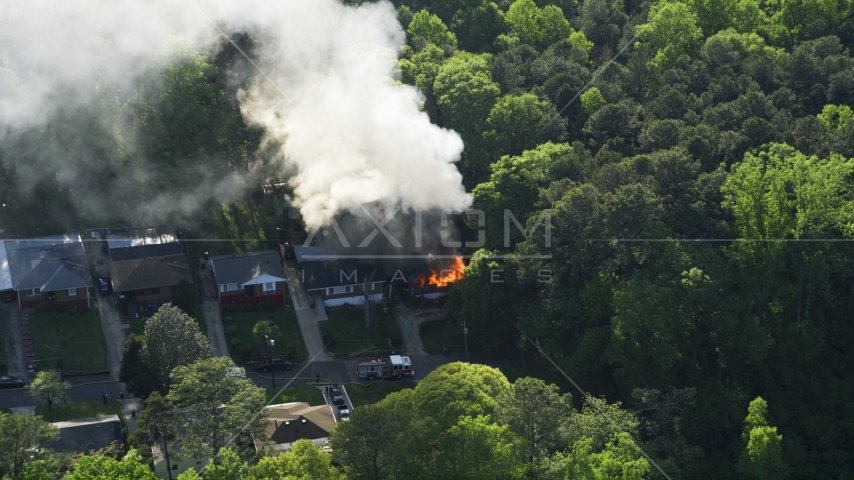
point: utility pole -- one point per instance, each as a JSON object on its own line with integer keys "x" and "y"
{"x": 466, "y": 340}
{"x": 272, "y": 367}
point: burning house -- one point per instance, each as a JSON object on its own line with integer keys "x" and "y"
{"x": 337, "y": 279}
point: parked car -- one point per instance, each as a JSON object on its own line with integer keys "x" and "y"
{"x": 105, "y": 286}
{"x": 277, "y": 363}
{"x": 337, "y": 395}
{"x": 289, "y": 251}
{"x": 343, "y": 413}
{"x": 11, "y": 382}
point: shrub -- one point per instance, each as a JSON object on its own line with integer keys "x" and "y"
{"x": 244, "y": 352}
{"x": 227, "y": 319}
{"x": 234, "y": 342}
{"x": 231, "y": 329}
{"x": 266, "y": 305}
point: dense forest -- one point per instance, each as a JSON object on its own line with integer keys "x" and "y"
{"x": 694, "y": 159}
{"x": 700, "y": 198}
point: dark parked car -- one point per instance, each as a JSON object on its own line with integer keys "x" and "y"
{"x": 11, "y": 382}
{"x": 105, "y": 286}
{"x": 278, "y": 363}
{"x": 343, "y": 413}
{"x": 337, "y": 395}
{"x": 289, "y": 251}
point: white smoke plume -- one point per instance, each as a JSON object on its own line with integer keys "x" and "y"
{"x": 328, "y": 101}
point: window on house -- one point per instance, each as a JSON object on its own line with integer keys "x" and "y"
{"x": 373, "y": 285}
{"x": 336, "y": 290}
{"x": 348, "y": 289}
{"x": 175, "y": 467}
{"x": 269, "y": 287}
{"x": 32, "y": 292}
{"x": 227, "y": 287}
{"x": 72, "y": 292}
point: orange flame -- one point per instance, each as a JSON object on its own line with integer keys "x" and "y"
{"x": 454, "y": 273}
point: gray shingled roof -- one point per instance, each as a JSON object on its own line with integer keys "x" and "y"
{"x": 243, "y": 267}
{"x": 48, "y": 263}
{"x": 153, "y": 272}
{"x": 145, "y": 251}
{"x": 85, "y": 434}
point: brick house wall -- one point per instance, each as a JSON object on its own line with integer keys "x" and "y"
{"x": 258, "y": 295}
{"x": 62, "y": 298}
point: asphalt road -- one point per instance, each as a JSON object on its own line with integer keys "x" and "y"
{"x": 93, "y": 387}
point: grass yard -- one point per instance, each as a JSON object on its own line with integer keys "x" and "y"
{"x": 312, "y": 395}
{"x": 369, "y": 393}
{"x": 75, "y": 410}
{"x": 345, "y": 331}
{"x": 289, "y": 342}
{"x": 439, "y": 334}
{"x": 6, "y": 410}
{"x": 77, "y": 336}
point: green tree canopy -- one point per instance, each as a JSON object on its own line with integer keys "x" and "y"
{"x": 671, "y": 32}
{"x": 18, "y": 435}
{"x": 431, "y": 28}
{"x": 106, "y": 468}
{"x": 172, "y": 338}
{"x": 215, "y": 405}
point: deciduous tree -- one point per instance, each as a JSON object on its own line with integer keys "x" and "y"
{"x": 172, "y": 338}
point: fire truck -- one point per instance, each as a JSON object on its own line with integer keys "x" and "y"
{"x": 394, "y": 366}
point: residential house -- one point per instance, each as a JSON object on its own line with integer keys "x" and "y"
{"x": 249, "y": 277}
{"x": 51, "y": 270}
{"x": 337, "y": 281}
{"x": 178, "y": 463}
{"x": 86, "y": 434}
{"x": 146, "y": 266}
{"x": 294, "y": 421}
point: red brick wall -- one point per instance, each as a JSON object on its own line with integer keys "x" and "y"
{"x": 62, "y": 299}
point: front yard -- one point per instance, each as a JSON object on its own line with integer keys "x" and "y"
{"x": 438, "y": 335}
{"x": 369, "y": 393}
{"x": 75, "y": 336}
{"x": 312, "y": 395}
{"x": 75, "y": 410}
{"x": 345, "y": 332}
{"x": 289, "y": 342}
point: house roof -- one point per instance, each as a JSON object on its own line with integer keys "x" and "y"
{"x": 48, "y": 263}
{"x": 294, "y": 421}
{"x": 324, "y": 268}
{"x": 145, "y": 251}
{"x": 242, "y": 268}
{"x": 85, "y": 434}
{"x": 152, "y": 272}
{"x": 134, "y": 237}
{"x": 5, "y": 275}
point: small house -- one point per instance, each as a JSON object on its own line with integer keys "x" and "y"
{"x": 249, "y": 277}
{"x": 337, "y": 281}
{"x": 86, "y": 434}
{"x": 294, "y": 421}
{"x": 146, "y": 266}
{"x": 50, "y": 269}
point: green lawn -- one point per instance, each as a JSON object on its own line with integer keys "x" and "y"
{"x": 75, "y": 410}
{"x": 312, "y": 395}
{"x": 75, "y": 336}
{"x": 345, "y": 332}
{"x": 439, "y": 334}
{"x": 367, "y": 394}
{"x": 289, "y": 342}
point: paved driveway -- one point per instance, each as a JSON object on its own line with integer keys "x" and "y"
{"x": 13, "y": 340}
{"x": 113, "y": 331}
{"x": 211, "y": 311}
{"x": 305, "y": 315}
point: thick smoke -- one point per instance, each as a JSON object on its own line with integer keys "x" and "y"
{"x": 327, "y": 101}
